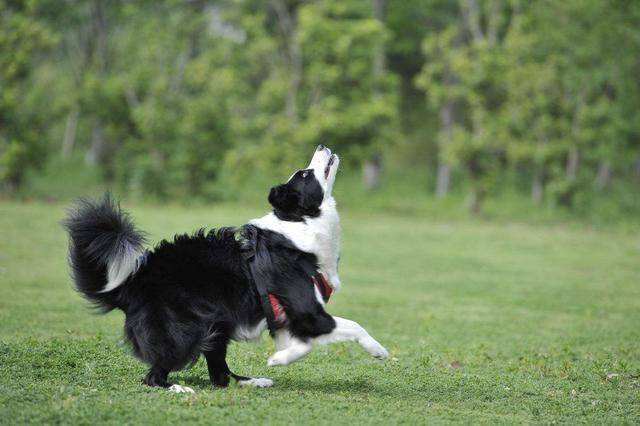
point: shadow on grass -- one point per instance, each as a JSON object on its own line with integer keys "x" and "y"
{"x": 193, "y": 380}
{"x": 324, "y": 386}
{"x": 331, "y": 386}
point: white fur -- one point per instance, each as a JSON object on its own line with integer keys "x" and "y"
{"x": 317, "y": 235}
{"x": 244, "y": 334}
{"x": 180, "y": 389}
{"x": 125, "y": 263}
{"x": 296, "y": 350}
{"x": 350, "y": 331}
{"x": 282, "y": 339}
{"x": 290, "y": 349}
{"x": 257, "y": 382}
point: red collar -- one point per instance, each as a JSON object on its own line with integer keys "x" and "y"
{"x": 323, "y": 286}
{"x": 319, "y": 281}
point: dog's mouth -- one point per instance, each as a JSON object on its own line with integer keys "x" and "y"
{"x": 324, "y": 163}
{"x": 327, "y": 169}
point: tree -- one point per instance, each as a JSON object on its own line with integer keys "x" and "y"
{"x": 347, "y": 104}
{"x": 588, "y": 44}
{"x": 409, "y": 22}
{"x": 23, "y": 38}
{"x": 534, "y": 113}
{"x": 179, "y": 117}
{"x": 466, "y": 79}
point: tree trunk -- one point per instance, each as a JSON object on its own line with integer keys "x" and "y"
{"x": 192, "y": 47}
{"x": 295, "y": 54}
{"x": 13, "y": 182}
{"x": 378, "y": 58}
{"x": 573, "y": 157}
{"x": 603, "y": 180}
{"x": 70, "y": 131}
{"x": 371, "y": 170}
{"x": 471, "y": 15}
{"x": 537, "y": 186}
{"x": 287, "y": 22}
{"x": 478, "y": 191}
{"x": 444, "y": 170}
{"x": 97, "y": 153}
{"x": 99, "y": 24}
{"x": 494, "y": 21}
{"x": 447, "y": 120}
{"x": 98, "y": 148}
{"x": 476, "y": 198}
{"x": 573, "y": 162}
{"x": 444, "y": 179}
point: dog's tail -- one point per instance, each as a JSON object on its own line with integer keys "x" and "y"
{"x": 105, "y": 249}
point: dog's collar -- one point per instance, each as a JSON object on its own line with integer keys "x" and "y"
{"x": 276, "y": 312}
{"x": 247, "y": 238}
{"x": 323, "y": 286}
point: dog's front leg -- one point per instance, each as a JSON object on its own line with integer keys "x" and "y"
{"x": 347, "y": 330}
{"x": 288, "y": 349}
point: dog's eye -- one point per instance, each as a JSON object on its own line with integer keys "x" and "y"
{"x": 304, "y": 174}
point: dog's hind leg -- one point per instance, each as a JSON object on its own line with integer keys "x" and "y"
{"x": 157, "y": 377}
{"x": 216, "y": 354}
{"x": 219, "y": 371}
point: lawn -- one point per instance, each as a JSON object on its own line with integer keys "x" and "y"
{"x": 485, "y": 322}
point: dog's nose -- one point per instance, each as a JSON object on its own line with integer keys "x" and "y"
{"x": 320, "y": 147}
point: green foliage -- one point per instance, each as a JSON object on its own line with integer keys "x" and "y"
{"x": 23, "y": 37}
{"x": 175, "y": 99}
{"x": 537, "y": 85}
{"x": 351, "y": 108}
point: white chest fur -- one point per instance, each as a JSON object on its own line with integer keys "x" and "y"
{"x": 318, "y": 235}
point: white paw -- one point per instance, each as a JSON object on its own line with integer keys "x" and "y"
{"x": 180, "y": 389}
{"x": 278, "y": 358}
{"x": 257, "y": 382}
{"x": 375, "y": 348}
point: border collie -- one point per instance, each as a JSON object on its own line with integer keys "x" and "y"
{"x": 192, "y": 295}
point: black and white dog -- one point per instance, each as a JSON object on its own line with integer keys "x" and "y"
{"x": 196, "y": 293}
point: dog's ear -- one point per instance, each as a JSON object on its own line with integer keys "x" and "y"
{"x": 284, "y": 198}
{"x": 311, "y": 201}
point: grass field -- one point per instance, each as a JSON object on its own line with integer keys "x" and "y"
{"x": 486, "y": 322}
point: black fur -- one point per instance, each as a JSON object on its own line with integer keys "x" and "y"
{"x": 99, "y": 233}
{"x": 190, "y": 294}
{"x": 299, "y": 197}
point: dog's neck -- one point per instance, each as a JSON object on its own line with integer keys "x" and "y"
{"x": 317, "y": 235}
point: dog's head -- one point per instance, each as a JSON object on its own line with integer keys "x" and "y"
{"x": 305, "y": 191}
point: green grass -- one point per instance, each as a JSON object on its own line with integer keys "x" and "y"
{"x": 486, "y": 322}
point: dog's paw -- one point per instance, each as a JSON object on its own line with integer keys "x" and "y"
{"x": 257, "y": 382}
{"x": 278, "y": 358}
{"x": 181, "y": 389}
{"x": 375, "y": 349}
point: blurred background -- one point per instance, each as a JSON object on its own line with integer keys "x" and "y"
{"x": 453, "y": 108}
